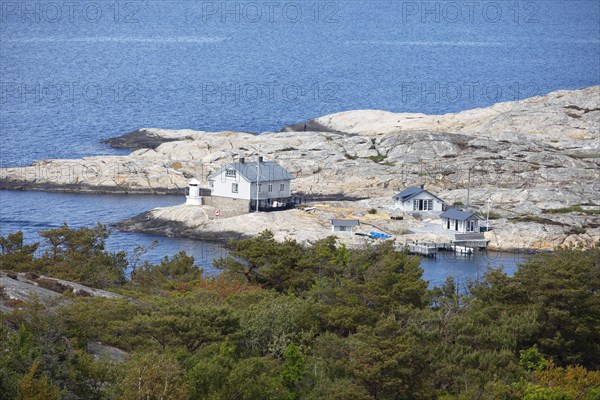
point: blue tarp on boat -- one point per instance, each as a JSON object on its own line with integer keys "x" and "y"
{"x": 379, "y": 235}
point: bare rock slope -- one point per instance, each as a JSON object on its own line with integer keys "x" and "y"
{"x": 16, "y": 288}
{"x": 525, "y": 157}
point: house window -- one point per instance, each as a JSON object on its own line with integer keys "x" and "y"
{"x": 281, "y": 187}
{"x": 234, "y": 188}
{"x": 429, "y": 205}
{"x": 259, "y": 187}
{"x": 230, "y": 173}
{"x": 342, "y": 228}
{"x": 415, "y": 205}
{"x": 470, "y": 225}
{"x": 270, "y": 188}
{"x": 212, "y": 184}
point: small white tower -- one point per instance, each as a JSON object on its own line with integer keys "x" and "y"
{"x": 193, "y": 197}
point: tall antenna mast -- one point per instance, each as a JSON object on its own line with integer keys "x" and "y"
{"x": 257, "y": 178}
{"x": 469, "y": 190}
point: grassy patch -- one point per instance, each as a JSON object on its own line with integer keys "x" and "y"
{"x": 584, "y": 155}
{"x": 350, "y": 157}
{"x": 535, "y": 218}
{"x": 328, "y": 138}
{"x": 372, "y": 211}
{"x": 576, "y": 230}
{"x": 492, "y": 214}
{"x": 378, "y": 158}
{"x": 529, "y": 218}
{"x": 571, "y": 209}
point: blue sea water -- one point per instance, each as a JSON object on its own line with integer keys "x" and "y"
{"x": 74, "y": 73}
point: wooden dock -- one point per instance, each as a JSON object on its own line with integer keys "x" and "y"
{"x": 470, "y": 240}
{"x": 422, "y": 249}
{"x": 430, "y": 249}
{"x": 462, "y": 249}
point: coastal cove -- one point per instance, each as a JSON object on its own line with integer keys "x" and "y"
{"x": 34, "y": 211}
{"x": 534, "y": 162}
{"x": 330, "y": 199}
{"x": 37, "y": 211}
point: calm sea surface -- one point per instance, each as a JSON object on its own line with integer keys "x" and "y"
{"x": 72, "y": 74}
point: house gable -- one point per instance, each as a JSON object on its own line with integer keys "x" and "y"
{"x": 265, "y": 182}
{"x": 411, "y": 192}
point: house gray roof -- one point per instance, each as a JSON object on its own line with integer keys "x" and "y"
{"x": 454, "y": 213}
{"x": 411, "y": 192}
{"x": 269, "y": 171}
{"x": 345, "y": 222}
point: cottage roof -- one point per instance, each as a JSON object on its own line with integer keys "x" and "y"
{"x": 411, "y": 192}
{"x": 345, "y": 222}
{"x": 460, "y": 215}
{"x": 269, "y": 171}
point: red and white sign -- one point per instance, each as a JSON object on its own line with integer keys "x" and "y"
{"x": 217, "y": 213}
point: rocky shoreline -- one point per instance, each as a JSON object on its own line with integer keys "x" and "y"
{"x": 526, "y": 159}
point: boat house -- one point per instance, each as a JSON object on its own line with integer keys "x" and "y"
{"x": 265, "y": 182}
{"x": 417, "y": 199}
{"x": 460, "y": 221}
{"x": 343, "y": 225}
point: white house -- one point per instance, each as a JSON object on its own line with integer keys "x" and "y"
{"x": 417, "y": 199}
{"x": 193, "y": 197}
{"x": 343, "y": 225}
{"x": 242, "y": 180}
{"x": 460, "y": 221}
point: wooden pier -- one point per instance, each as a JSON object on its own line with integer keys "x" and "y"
{"x": 422, "y": 249}
{"x": 462, "y": 249}
{"x": 470, "y": 240}
{"x": 431, "y": 249}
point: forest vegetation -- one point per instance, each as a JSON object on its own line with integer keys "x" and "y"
{"x": 287, "y": 321}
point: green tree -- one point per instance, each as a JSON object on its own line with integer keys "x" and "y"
{"x": 386, "y": 361}
{"x": 293, "y": 368}
{"x": 179, "y": 322}
{"x": 168, "y": 273}
{"x": 15, "y": 255}
{"x": 564, "y": 288}
{"x": 32, "y": 388}
{"x": 79, "y": 255}
{"x": 152, "y": 376}
{"x": 262, "y": 260}
{"x": 255, "y": 378}
{"x": 17, "y": 354}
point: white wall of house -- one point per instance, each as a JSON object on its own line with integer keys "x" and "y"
{"x": 222, "y": 185}
{"x": 461, "y": 226}
{"x": 276, "y": 191}
{"x": 341, "y": 229}
{"x": 409, "y": 205}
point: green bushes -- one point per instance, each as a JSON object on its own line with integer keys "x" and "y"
{"x": 286, "y": 321}
{"x": 565, "y": 210}
{"x": 77, "y": 255}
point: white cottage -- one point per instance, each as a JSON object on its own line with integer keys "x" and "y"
{"x": 417, "y": 199}
{"x": 343, "y": 225}
{"x": 265, "y": 181}
{"x": 460, "y": 221}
